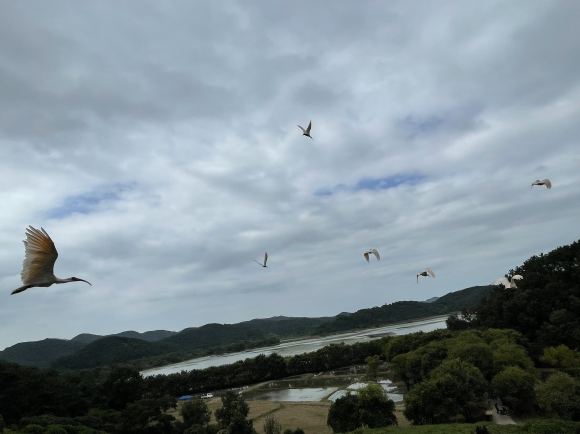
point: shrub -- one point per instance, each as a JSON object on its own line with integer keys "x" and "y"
{"x": 55, "y": 429}
{"x": 272, "y": 426}
{"x": 33, "y": 429}
{"x": 343, "y": 415}
{"x": 516, "y": 388}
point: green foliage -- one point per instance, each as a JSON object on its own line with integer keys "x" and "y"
{"x": 543, "y": 426}
{"x": 507, "y": 355}
{"x": 559, "y": 394}
{"x": 123, "y": 386}
{"x": 40, "y": 353}
{"x": 232, "y": 404}
{"x": 399, "y": 369}
{"x": 139, "y": 414}
{"x": 477, "y": 353}
{"x": 55, "y": 429}
{"x": 545, "y": 307}
{"x": 2, "y": 424}
{"x": 405, "y": 310}
{"x": 454, "y": 387}
{"x": 288, "y": 431}
{"x": 195, "y": 412}
{"x": 298, "y": 431}
{"x": 373, "y": 363}
{"x": 272, "y": 426}
{"x": 516, "y": 388}
{"x": 561, "y": 357}
{"x": 33, "y": 429}
{"x": 343, "y": 415}
{"x": 375, "y": 409}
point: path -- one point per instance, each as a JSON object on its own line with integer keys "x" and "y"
{"x": 500, "y": 419}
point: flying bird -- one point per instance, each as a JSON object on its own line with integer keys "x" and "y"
{"x": 374, "y": 252}
{"x": 505, "y": 281}
{"x": 545, "y": 182}
{"x": 306, "y": 132}
{"x": 38, "y": 266}
{"x": 425, "y": 273}
{"x": 265, "y": 260}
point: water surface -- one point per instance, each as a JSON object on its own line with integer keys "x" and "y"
{"x": 301, "y": 346}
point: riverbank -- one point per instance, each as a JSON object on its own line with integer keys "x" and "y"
{"x": 305, "y": 345}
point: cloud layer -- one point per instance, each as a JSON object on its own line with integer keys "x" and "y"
{"x": 158, "y": 146}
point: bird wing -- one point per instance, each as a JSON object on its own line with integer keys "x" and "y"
{"x": 547, "y": 183}
{"x": 430, "y": 272}
{"x": 418, "y": 277}
{"x": 40, "y": 256}
{"x": 367, "y": 256}
{"x": 309, "y": 126}
{"x": 503, "y": 281}
{"x": 376, "y": 254}
{"x": 517, "y": 277}
{"x": 257, "y": 262}
{"x": 303, "y": 130}
{"x": 265, "y": 257}
{"x": 534, "y": 183}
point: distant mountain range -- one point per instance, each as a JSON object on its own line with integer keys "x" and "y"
{"x": 89, "y": 350}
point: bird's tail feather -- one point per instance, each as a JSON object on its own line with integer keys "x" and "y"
{"x": 22, "y": 288}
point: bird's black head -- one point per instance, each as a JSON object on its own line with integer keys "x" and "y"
{"x": 76, "y": 279}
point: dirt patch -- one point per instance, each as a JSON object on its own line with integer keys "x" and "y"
{"x": 310, "y": 416}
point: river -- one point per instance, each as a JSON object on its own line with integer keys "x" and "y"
{"x": 301, "y": 346}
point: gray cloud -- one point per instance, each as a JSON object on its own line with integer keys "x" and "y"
{"x": 158, "y": 146}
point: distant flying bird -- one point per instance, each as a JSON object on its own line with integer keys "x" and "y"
{"x": 265, "y": 260}
{"x": 374, "y": 252}
{"x": 38, "y": 266}
{"x": 424, "y": 273}
{"x": 545, "y": 182}
{"x": 505, "y": 281}
{"x": 306, "y": 132}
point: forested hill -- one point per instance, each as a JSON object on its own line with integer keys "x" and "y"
{"x": 151, "y": 336}
{"x": 40, "y": 353}
{"x": 545, "y": 307}
{"x": 405, "y": 310}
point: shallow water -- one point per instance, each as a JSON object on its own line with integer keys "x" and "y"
{"x": 294, "y": 395}
{"x": 301, "y": 346}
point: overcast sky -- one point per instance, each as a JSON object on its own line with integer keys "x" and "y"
{"x": 157, "y": 144}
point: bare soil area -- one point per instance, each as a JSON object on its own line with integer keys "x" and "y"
{"x": 310, "y": 416}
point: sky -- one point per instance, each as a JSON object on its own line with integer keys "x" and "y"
{"x": 157, "y": 144}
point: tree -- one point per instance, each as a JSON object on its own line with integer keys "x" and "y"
{"x": 561, "y": 357}
{"x": 373, "y": 364}
{"x": 559, "y": 394}
{"x": 343, "y": 415}
{"x": 123, "y": 386}
{"x": 399, "y": 368}
{"x": 479, "y": 354}
{"x": 507, "y": 355}
{"x": 239, "y": 424}
{"x": 232, "y": 406}
{"x": 376, "y": 410}
{"x": 272, "y": 426}
{"x": 2, "y": 424}
{"x": 454, "y": 387}
{"x": 195, "y": 412}
{"x": 516, "y": 388}
{"x": 139, "y": 414}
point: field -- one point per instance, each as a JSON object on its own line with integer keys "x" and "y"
{"x": 310, "y": 416}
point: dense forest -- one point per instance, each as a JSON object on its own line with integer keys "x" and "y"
{"x": 110, "y": 399}
{"x": 405, "y": 310}
{"x": 545, "y": 307}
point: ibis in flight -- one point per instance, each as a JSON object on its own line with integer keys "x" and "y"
{"x": 38, "y": 266}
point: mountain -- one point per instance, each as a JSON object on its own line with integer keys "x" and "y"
{"x": 431, "y": 300}
{"x": 40, "y": 353}
{"x": 109, "y": 351}
{"x": 213, "y": 335}
{"x": 405, "y": 310}
{"x": 152, "y": 336}
{"x": 285, "y": 326}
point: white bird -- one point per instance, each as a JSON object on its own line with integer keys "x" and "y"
{"x": 374, "y": 252}
{"x": 425, "y": 273}
{"x": 306, "y": 132}
{"x": 38, "y": 266}
{"x": 265, "y": 260}
{"x": 505, "y": 281}
{"x": 545, "y": 182}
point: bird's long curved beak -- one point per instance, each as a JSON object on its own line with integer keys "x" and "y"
{"x": 83, "y": 280}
